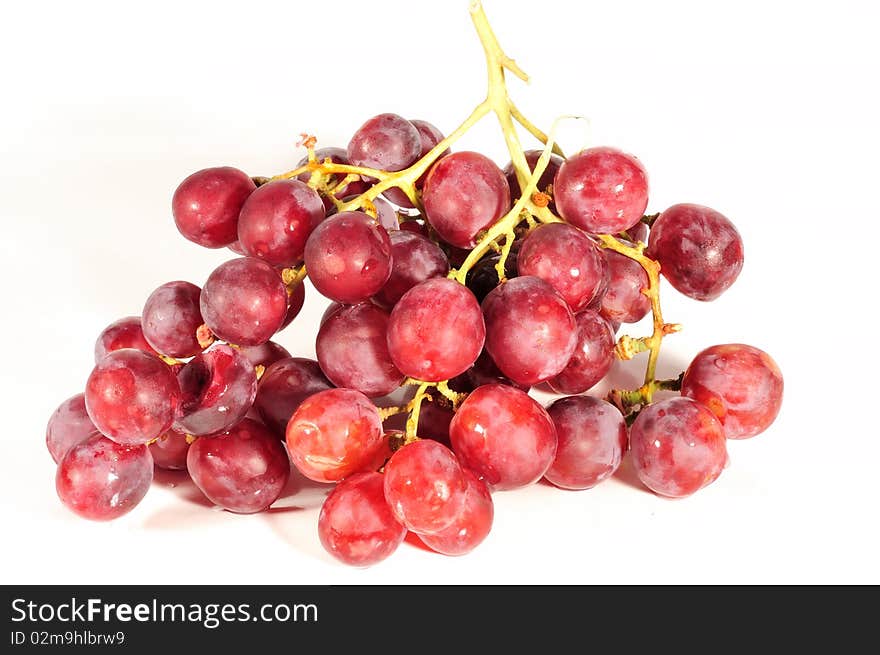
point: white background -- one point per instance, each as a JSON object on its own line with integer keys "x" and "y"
{"x": 764, "y": 111}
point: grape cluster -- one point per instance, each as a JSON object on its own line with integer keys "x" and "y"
{"x": 448, "y": 275}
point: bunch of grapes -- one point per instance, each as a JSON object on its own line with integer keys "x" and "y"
{"x": 463, "y": 283}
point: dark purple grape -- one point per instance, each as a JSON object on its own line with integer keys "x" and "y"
{"x": 348, "y": 257}
{"x": 414, "y": 259}
{"x": 699, "y": 250}
{"x": 243, "y": 471}
{"x": 486, "y": 371}
{"x": 171, "y": 318}
{"x": 101, "y": 480}
{"x": 624, "y": 301}
{"x": 601, "y": 190}
{"x": 244, "y": 301}
{"x": 284, "y": 386}
{"x": 530, "y": 331}
{"x": 296, "y": 298}
{"x": 592, "y": 358}
{"x": 69, "y": 425}
{"x": 387, "y": 142}
{"x": 352, "y": 350}
{"x": 483, "y": 277}
{"x": 592, "y": 439}
{"x": 567, "y": 259}
{"x": 464, "y": 193}
{"x": 132, "y": 397}
{"x": 206, "y": 205}
{"x": 218, "y": 388}
{"x": 124, "y": 333}
{"x": 277, "y": 220}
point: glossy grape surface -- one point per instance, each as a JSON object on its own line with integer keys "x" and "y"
{"x": 678, "y": 447}
{"x": 69, "y": 425}
{"x": 472, "y": 524}
{"x": 284, "y": 386}
{"x": 124, "y": 333}
{"x": 206, "y": 205}
{"x": 592, "y": 358}
{"x": 388, "y": 142}
{"x": 740, "y": 384}
{"x": 699, "y": 250}
{"x": 415, "y": 258}
{"x": 171, "y": 317}
{"x": 623, "y": 301}
{"x": 169, "y": 451}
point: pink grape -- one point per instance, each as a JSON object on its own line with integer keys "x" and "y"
{"x": 678, "y": 447}
{"x": 169, "y": 451}
{"x": 601, "y": 190}
{"x": 531, "y": 333}
{"x": 348, "y": 257}
{"x": 352, "y": 350}
{"x": 471, "y": 526}
{"x": 244, "y": 301}
{"x": 740, "y": 384}
{"x": 69, "y": 425}
{"x": 436, "y": 330}
{"x": 592, "y": 358}
{"x": 277, "y": 219}
{"x": 464, "y": 193}
{"x": 206, "y": 205}
{"x": 284, "y": 386}
{"x": 356, "y": 525}
{"x": 699, "y": 250}
{"x": 415, "y": 258}
{"x": 567, "y": 259}
{"x": 504, "y": 436}
{"x": 425, "y": 486}
{"x": 218, "y": 388}
{"x": 124, "y": 333}
{"x": 171, "y": 318}
{"x": 592, "y": 441}
{"x": 624, "y": 301}
{"x": 243, "y": 470}
{"x": 100, "y": 480}
{"x": 335, "y": 433}
{"x": 132, "y": 397}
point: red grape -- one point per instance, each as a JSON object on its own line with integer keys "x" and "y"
{"x": 124, "y": 333}
{"x": 387, "y": 142}
{"x": 592, "y": 440}
{"x": 265, "y": 354}
{"x": 464, "y": 193}
{"x": 218, "y": 388}
{"x": 530, "y": 331}
{"x": 69, "y": 425}
{"x": 171, "y": 317}
{"x": 567, "y": 259}
{"x": 132, "y": 397}
{"x": 277, "y": 220}
{"x": 335, "y": 433}
{"x": 601, "y": 190}
{"x": 244, "y": 301}
{"x": 429, "y": 136}
{"x": 504, "y": 436}
{"x": 348, "y": 257}
{"x": 352, "y": 349}
{"x": 356, "y": 525}
{"x": 699, "y": 250}
{"x": 284, "y": 386}
{"x": 592, "y": 358}
{"x": 624, "y": 301}
{"x": 436, "y": 330}
{"x": 100, "y": 480}
{"x": 169, "y": 451}
{"x": 425, "y": 486}
{"x": 206, "y": 205}
{"x": 415, "y": 258}
{"x": 471, "y": 526}
{"x": 678, "y": 447}
{"x": 740, "y": 384}
{"x": 243, "y": 471}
